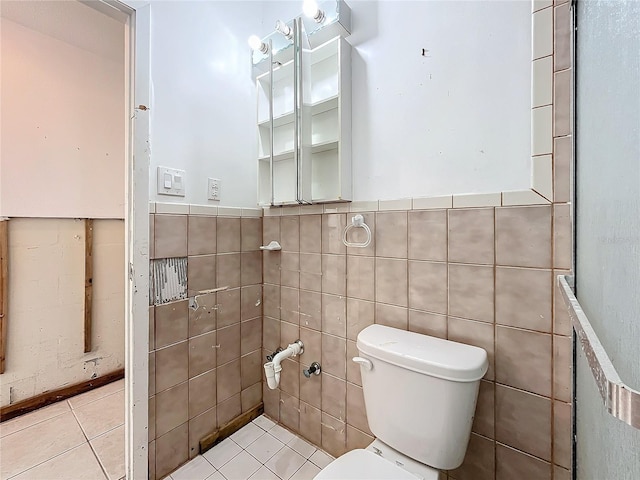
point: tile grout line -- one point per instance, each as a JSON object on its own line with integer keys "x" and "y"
{"x": 102, "y": 467}
{"x": 95, "y": 454}
{"x": 80, "y": 425}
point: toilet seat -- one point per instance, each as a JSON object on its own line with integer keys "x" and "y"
{"x": 364, "y": 465}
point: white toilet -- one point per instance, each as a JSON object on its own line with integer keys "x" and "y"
{"x": 420, "y": 396}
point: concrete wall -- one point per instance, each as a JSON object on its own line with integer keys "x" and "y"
{"x": 46, "y": 305}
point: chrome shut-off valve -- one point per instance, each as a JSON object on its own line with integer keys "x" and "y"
{"x": 313, "y": 369}
{"x": 270, "y": 357}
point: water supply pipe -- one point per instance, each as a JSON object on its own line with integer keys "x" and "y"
{"x": 272, "y": 369}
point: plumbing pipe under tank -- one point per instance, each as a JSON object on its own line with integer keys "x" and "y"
{"x": 272, "y": 369}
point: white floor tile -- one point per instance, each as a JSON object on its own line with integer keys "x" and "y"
{"x": 264, "y": 422}
{"x": 102, "y": 415}
{"x": 285, "y": 463}
{"x": 264, "y": 474}
{"x": 96, "y": 394}
{"x": 281, "y": 434}
{"x": 302, "y": 447}
{"x": 196, "y": 469}
{"x": 247, "y": 435}
{"x": 216, "y": 476}
{"x": 240, "y": 467}
{"x": 109, "y": 448}
{"x": 77, "y": 464}
{"x": 38, "y": 443}
{"x": 32, "y": 418}
{"x": 222, "y": 453}
{"x": 306, "y": 472}
{"x": 265, "y": 447}
{"x": 49, "y": 443}
{"x": 321, "y": 459}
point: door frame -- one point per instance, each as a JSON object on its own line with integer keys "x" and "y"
{"x": 572, "y": 195}
{"x": 137, "y": 247}
{"x": 602, "y": 370}
{"x": 137, "y": 100}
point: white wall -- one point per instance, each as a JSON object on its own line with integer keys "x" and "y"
{"x": 455, "y": 121}
{"x": 203, "y": 107}
{"x": 45, "y": 339}
{"x": 63, "y": 116}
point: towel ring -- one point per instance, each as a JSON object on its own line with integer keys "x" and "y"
{"x": 357, "y": 221}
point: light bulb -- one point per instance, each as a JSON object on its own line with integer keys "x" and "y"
{"x": 254, "y": 42}
{"x": 311, "y": 10}
{"x": 257, "y": 44}
{"x": 284, "y": 29}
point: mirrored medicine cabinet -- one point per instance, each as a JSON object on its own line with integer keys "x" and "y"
{"x": 303, "y": 82}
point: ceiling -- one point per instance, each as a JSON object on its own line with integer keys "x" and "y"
{"x": 72, "y": 22}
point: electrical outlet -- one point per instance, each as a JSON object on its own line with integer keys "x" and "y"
{"x": 213, "y": 190}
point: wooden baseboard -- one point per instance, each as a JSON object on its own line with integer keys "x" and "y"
{"x": 53, "y": 396}
{"x": 230, "y": 428}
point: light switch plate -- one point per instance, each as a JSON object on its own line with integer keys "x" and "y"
{"x": 171, "y": 182}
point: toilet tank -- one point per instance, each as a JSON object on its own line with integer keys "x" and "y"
{"x": 420, "y": 394}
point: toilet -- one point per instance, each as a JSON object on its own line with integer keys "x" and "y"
{"x": 420, "y": 397}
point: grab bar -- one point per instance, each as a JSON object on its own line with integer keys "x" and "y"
{"x": 620, "y": 400}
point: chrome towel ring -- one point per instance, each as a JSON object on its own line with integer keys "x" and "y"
{"x": 357, "y": 221}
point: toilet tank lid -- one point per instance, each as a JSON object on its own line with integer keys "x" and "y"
{"x": 421, "y": 353}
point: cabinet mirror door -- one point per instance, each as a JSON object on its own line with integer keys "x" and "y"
{"x": 305, "y": 117}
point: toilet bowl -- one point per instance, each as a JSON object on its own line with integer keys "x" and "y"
{"x": 377, "y": 462}
{"x": 420, "y": 396}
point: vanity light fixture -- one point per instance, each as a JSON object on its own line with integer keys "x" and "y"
{"x": 311, "y": 10}
{"x": 257, "y": 44}
{"x": 284, "y": 29}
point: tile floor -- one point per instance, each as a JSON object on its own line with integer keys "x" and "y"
{"x": 83, "y": 438}
{"x": 261, "y": 450}
{"x": 75, "y": 439}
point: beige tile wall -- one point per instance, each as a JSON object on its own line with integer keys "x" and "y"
{"x": 205, "y": 366}
{"x": 482, "y": 276}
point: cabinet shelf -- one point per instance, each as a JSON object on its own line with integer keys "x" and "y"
{"x": 323, "y": 147}
{"x": 316, "y": 109}
{"x": 278, "y": 157}
{"x": 288, "y": 154}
